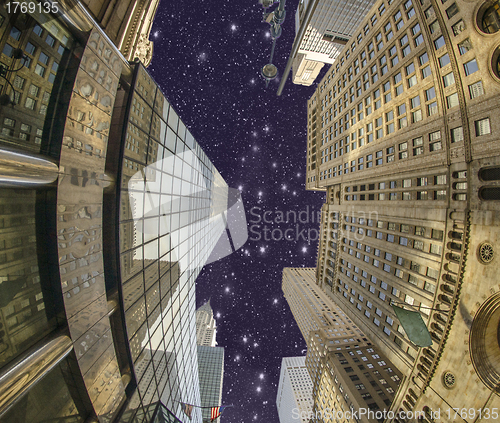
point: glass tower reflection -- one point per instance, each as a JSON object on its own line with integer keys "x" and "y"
{"x": 173, "y": 211}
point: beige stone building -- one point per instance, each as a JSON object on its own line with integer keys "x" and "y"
{"x": 348, "y": 372}
{"x": 323, "y": 27}
{"x": 403, "y": 137}
{"x": 128, "y": 24}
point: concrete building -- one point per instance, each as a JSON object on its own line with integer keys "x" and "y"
{"x": 128, "y": 24}
{"x": 98, "y": 252}
{"x": 210, "y": 360}
{"x": 328, "y": 26}
{"x": 206, "y": 330}
{"x": 348, "y": 372}
{"x": 295, "y": 391}
{"x": 403, "y": 138}
{"x": 211, "y": 372}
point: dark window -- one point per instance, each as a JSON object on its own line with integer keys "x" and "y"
{"x": 492, "y": 193}
{"x": 491, "y": 174}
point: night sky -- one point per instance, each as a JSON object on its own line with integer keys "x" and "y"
{"x": 207, "y": 60}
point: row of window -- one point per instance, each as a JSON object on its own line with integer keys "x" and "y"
{"x": 421, "y": 231}
{"x": 406, "y": 149}
{"x": 379, "y": 314}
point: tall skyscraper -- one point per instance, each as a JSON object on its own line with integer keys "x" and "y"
{"x": 295, "y": 391}
{"x": 403, "y": 138}
{"x": 322, "y": 28}
{"x": 99, "y": 247}
{"x": 347, "y": 370}
{"x": 210, "y": 360}
{"x": 211, "y": 372}
{"x": 206, "y": 330}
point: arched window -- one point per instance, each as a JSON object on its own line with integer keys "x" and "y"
{"x": 491, "y": 193}
{"x": 490, "y": 174}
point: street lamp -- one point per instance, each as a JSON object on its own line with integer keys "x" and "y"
{"x": 275, "y": 19}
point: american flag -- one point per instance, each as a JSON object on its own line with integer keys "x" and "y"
{"x": 217, "y": 411}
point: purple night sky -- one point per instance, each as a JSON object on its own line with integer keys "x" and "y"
{"x": 207, "y": 60}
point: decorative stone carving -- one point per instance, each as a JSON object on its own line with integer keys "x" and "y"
{"x": 143, "y": 50}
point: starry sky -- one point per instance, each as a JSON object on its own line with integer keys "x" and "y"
{"x": 207, "y": 59}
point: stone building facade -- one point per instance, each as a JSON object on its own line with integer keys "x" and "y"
{"x": 128, "y": 23}
{"x": 403, "y": 137}
{"x": 347, "y": 371}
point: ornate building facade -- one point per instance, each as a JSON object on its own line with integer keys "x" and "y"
{"x": 206, "y": 330}
{"x": 108, "y": 211}
{"x": 403, "y": 138}
{"x": 128, "y": 24}
{"x": 323, "y": 27}
{"x": 347, "y": 371}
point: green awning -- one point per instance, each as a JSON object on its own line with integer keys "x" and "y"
{"x": 414, "y": 326}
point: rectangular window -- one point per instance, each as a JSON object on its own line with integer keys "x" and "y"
{"x": 426, "y": 72}
{"x": 38, "y": 30}
{"x": 30, "y": 103}
{"x": 434, "y": 27}
{"x": 34, "y": 90}
{"x": 464, "y": 47}
{"x": 482, "y": 127}
{"x": 15, "y": 33}
{"x": 471, "y": 67}
{"x": 444, "y": 60}
{"x": 430, "y": 94}
{"x": 19, "y": 82}
{"x": 30, "y": 48}
{"x": 449, "y": 79}
{"x": 438, "y": 43}
{"x": 40, "y": 70}
{"x": 452, "y": 100}
{"x": 457, "y": 134}
{"x": 410, "y": 69}
{"x": 429, "y": 12}
{"x": 8, "y": 50}
{"x": 416, "y": 116}
{"x": 50, "y": 40}
{"x": 452, "y": 10}
{"x": 43, "y": 58}
{"x": 423, "y": 59}
{"x": 432, "y": 108}
{"x": 476, "y": 89}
